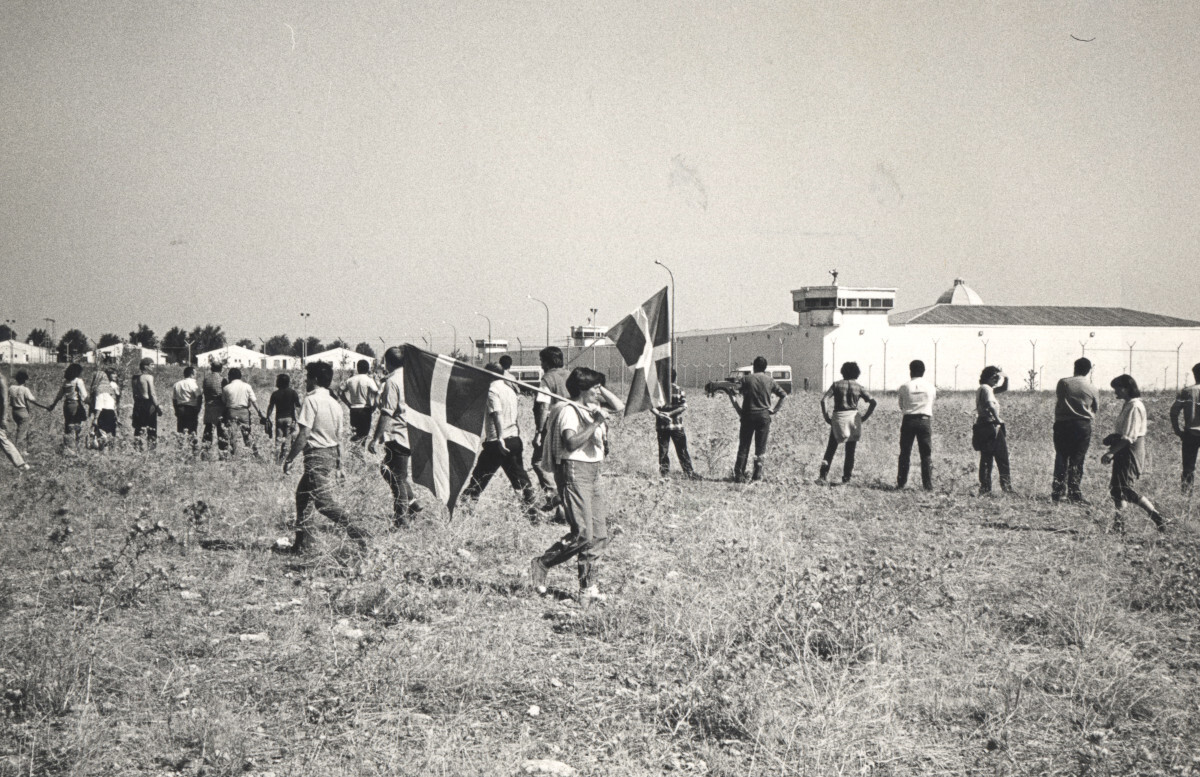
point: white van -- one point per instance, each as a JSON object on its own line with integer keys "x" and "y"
{"x": 528, "y": 374}
{"x": 781, "y": 373}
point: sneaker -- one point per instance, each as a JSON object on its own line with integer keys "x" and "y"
{"x": 1159, "y": 522}
{"x": 537, "y": 575}
{"x": 592, "y": 594}
{"x": 414, "y": 507}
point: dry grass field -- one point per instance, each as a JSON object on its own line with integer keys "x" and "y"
{"x": 772, "y": 629}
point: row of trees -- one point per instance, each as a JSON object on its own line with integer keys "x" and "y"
{"x": 177, "y": 341}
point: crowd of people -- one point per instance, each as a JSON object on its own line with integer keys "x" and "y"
{"x": 570, "y": 441}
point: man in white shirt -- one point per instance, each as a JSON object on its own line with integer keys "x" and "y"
{"x": 238, "y": 397}
{"x": 186, "y": 397}
{"x": 320, "y": 425}
{"x": 392, "y": 431}
{"x": 360, "y": 393}
{"x": 502, "y": 446}
{"x": 916, "y": 405}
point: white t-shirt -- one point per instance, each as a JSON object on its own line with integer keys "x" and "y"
{"x": 106, "y": 396}
{"x": 238, "y": 394}
{"x": 186, "y": 392}
{"x": 322, "y": 416}
{"x": 503, "y": 400}
{"x": 593, "y": 449}
{"x": 916, "y": 397}
{"x": 391, "y": 408}
{"x": 360, "y": 391}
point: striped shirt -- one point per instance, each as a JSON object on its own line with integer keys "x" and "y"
{"x": 678, "y": 402}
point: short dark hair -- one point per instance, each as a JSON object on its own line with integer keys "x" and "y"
{"x": 988, "y": 373}
{"x": 283, "y": 380}
{"x": 916, "y": 368}
{"x": 760, "y": 364}
{"x": 850, "y": 370}
{"x": 189, "y": 371}
{"x": 505, "y": 361}
{"x": 1083, "y": 365}
{"x": 394, "y": 357}
{"x": 493, "y": 367}
{"x": 235, "y": 373}
{"x": 21, "y": 376}
{"x": 74, "y": 370}
{"x": 551, "y": 357}
{"x": 320, "y": 373}
{"x": 364, "y": 366}
{"x": 1128, "y": 383}
{"x": 1196, "y": 372}
{"x": 583, "y": 378}
{"x": 216, "y": 366}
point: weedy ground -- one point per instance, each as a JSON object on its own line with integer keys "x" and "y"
{"x": 776, "y": 628}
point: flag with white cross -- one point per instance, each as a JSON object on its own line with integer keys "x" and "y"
{"x": 643, "y": 339}
{"x": 446, "y": 408}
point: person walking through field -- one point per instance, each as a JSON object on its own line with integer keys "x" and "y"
{"x": 1127, "y": 453}
{"x": 238, "y": 398}
{"x": 186, "y": 398}
{"x": 989, "y": 435}
{"x": 1185, "y": 420}
{"x": 7, "y": 445}
{"x": 554, "y": 380}
{"x": 360, "y": 394}
{"x": 574, "y": 452}
{"x": 214, "y": 406}
{"x": 146, "y": 409}
{"x": 669, "y": 428}
{"x": 502, "y": 446}
{"x": 392, "y": 430}
{"x": 106, "y": 406}
{"x": 845, "y": 422}
{"x": 284, "y": 403}
{"x": 19, "y": 399}
{"x": 319, "y": 439}
{"x": 755, "y": 415}
{"x": 74, "y": 396}
{"x": 916, "y": 423}
{"x": 1075, "y": 408}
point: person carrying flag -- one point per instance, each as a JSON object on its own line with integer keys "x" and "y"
{"x": 392, "y": 431}
{"x": 669, "y": 427}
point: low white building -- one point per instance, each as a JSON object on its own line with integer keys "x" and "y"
{"x": 340, "y": 358}
{"x": 958, "y": 335}
{"x": 246, "y": 358}
{"x": 119, "y": 351}
{"x": 17, "y": 352}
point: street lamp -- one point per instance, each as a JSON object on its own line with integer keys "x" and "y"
{"x": 455, "y": 329}
{"x": 304, "y": 341}
{"x": 668, "y": 269}
{"x": 547, "y": 307}
{"x": 488, "y": 346}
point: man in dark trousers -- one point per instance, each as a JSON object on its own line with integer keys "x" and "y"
{"x": 502, "y": 446}
{"x": 755, "y": 411}
{"x": 916, "y": 407}
{"x": 1185, "y": 420}
{"x": 669, "y": 427}
{"x": 1074, "y": 411}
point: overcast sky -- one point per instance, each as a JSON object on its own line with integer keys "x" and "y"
{"x": 386, "y": 166}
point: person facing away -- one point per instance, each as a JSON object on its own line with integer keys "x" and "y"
{"x": 845, "y": 422}
{"x": 574, "y": 451}
{"x": 284, "y": 403}
{"x": 505, "y": 362}
{"x": 319, "y": 439}
{"x": 392, "y": 430}
{"x": 669, "y": 428}
{"x": 186, "y": 398}
{"x": 74, "y": 396}
{"x": 106, "y": 404}
{"x": 1126, "y": 453}
{"x": 360, "y": 393}
{"x": 1075, "y": 408}
{"x": 916, "y": 423}
{"x": 755, "y": 414}
{"x": 238, "y": 398}
{"x": 989, "y": 435}
{"x": 7, "y": 445}
{"x": 554, "y": 380}
{"x": 20, "y": 397}
{"x": 502, "y": 446}
{"x": 1185, "y": 420}
{"x": 214, "y": 405}
{"x": 146, "y": 409}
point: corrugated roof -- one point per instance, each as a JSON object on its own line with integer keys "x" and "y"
{"x": 736, "y": 330}
{"x": 1034, "y": 315}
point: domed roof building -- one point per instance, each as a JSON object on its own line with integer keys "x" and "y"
{"x": 960, "y": 294}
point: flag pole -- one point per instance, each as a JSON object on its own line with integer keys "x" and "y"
{"x": 496, "y": 376}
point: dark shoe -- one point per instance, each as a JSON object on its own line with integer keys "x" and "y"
{"x": 537, "y": 574}
{"x": 1079, "y": 500}
{"x": 693, "y": 475}
{"x": 1159, "y": 522}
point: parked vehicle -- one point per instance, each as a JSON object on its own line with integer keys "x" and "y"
{"x": 528, "y": 374}
{"x": 781, "y": 373}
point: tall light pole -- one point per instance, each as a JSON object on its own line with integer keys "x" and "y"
{"x": 455, "y": 330}
{"x": 547, "y": 307}
{"x": 304, "y": 340}
{"x": 487, "y": 348}
{"x": 12, "y": 335}
{"x": 668, "y": 269}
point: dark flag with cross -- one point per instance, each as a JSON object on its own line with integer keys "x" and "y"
{"x": 643, "y": 339}
{"x": 446, "y": 408}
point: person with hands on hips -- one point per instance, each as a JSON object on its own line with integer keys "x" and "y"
{"x": 755, "y": 413}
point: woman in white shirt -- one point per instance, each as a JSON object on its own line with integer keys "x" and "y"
{"x": 575, "y": 446}
{"x": 989, "y": 435}
{"x": 1126, "y": 452}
